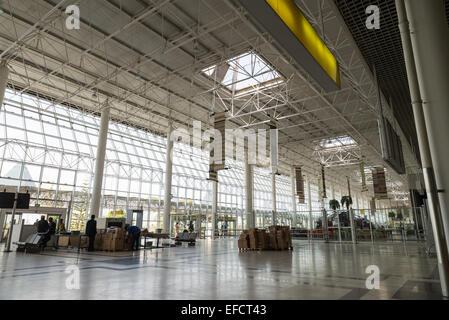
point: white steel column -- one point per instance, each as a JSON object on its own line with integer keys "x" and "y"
{"x": 309, "y": 200}
{"x": 249, "y": 193}
{"x": 435, "y": 212}
{"x": 99, "y": 162}
{"x": 293, "y": 181}
{"x": 214, "y": 207}
{"x": 430, "y": 42}
{"x": 4, "y": 72}
{"x": 273, "y": 195}
{"x": 168, "y": 180}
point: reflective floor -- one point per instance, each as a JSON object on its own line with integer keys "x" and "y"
{"x": 217, "y": 270}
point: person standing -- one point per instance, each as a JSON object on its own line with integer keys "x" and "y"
{"x": 91, "y": 231}
{"x": 43, "y": 228}
{"x": 52, "y": 227}
{"x": 61, "y": 226}
{"x": 134, "y": 231}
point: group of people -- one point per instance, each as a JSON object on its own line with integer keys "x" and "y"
{"x": 49, "y": 228}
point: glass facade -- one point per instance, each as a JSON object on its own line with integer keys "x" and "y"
{"x": 50, "y": 151}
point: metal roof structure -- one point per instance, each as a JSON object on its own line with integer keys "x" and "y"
{"x": 145, "y": 59}
{"x": 382, "y": 49}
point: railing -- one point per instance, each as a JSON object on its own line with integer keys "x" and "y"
{"x": 398, "y": 224}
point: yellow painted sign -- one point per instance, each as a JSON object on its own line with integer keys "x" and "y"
{"x": 295, "y": 20}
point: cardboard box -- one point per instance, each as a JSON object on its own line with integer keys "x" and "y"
{"x": 98, "y": 243}
{"x": 282, "y": 244}
{"x": 105, "y": 245}
{"x": 108, "y": 236}
{"x": 84, "y": 242}
{"x": 117, "y": 244}
{"x": 252, "y": 242}
{"x": 74, "y": 240}
{"x": 244, "y": 236}
{"x": 243, "y": 244}
{"x": 64, "y": 241}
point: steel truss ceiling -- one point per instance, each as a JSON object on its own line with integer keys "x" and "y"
{"x": 145, "y": 59}
{"x": 383, "y": 49}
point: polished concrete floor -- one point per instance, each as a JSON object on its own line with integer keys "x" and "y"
{"x": 217, "y": 270}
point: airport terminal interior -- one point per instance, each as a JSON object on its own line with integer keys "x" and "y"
{"x": 226, "y": 149}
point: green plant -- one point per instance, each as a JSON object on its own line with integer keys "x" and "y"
{"x": 346, "y": 201}
{"x": 334, "y": 204}
{"x": 391, "y": 215}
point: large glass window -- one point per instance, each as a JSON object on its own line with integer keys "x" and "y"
{"x": 57, "y": 146}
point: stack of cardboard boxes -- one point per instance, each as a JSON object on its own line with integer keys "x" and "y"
{"x": 114, "y": 239}
{"x": 74, "y": 241}
{"x": 279, "y": 238}
{"x": 244, "y": 240}
{"x": 111, "y": 239}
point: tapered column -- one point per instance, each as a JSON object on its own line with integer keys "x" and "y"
{"x": 249, "y": 194}
{"x": 214, "y": 207}
{"x": 309, "y": 201}
{"x": 436, "y": 212}
{"x": 99, "y": 162}
{"x": 4, "y": 72}
{"x": 273, "y": 192}
{"x": 168, "y": 180}
{"x": 430, "y": 42}
{"x": 293, "y": 182}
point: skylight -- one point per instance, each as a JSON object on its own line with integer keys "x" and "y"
{"x": 343, "y": 141}
{"x": 245, "y": 73}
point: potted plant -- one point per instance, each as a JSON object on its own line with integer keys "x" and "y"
{"x": 346, "y": 201}
{"x": 334, "y": 205}
{"x": 391, "y": 215}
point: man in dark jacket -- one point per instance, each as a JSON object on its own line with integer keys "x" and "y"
{"x": 135, "y": 236}
{"x": 51, "y": 227}
{"x": 42, "y": 227}
{"x": 91, "y": 231}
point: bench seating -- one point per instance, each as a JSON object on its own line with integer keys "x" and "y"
{"x": 186, "y": 237}
{"x": 31, "y": 244}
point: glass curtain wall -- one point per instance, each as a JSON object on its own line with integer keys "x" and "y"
{"x": 56, "y": 146}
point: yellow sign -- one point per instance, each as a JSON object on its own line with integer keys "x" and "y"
{"x": 116, "y": 213}
{"x": 294, "y": 19}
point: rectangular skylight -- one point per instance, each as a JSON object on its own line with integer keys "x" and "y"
{"x": 244, "y": 73}
{"x": 342, "y": 141}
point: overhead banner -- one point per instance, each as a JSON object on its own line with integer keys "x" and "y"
{"x": 220, "y": 125}
{"x": 349, "y": 186}
{"x": 379, "y": 183}
{"x": 217, "y": 153}
{"x": 300, "y": 185}
{"x": 362, "y": 173}
{"x": 323, "y": 179}
{"x": 373, "y": 206}
{"x": 273, "y": 145}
